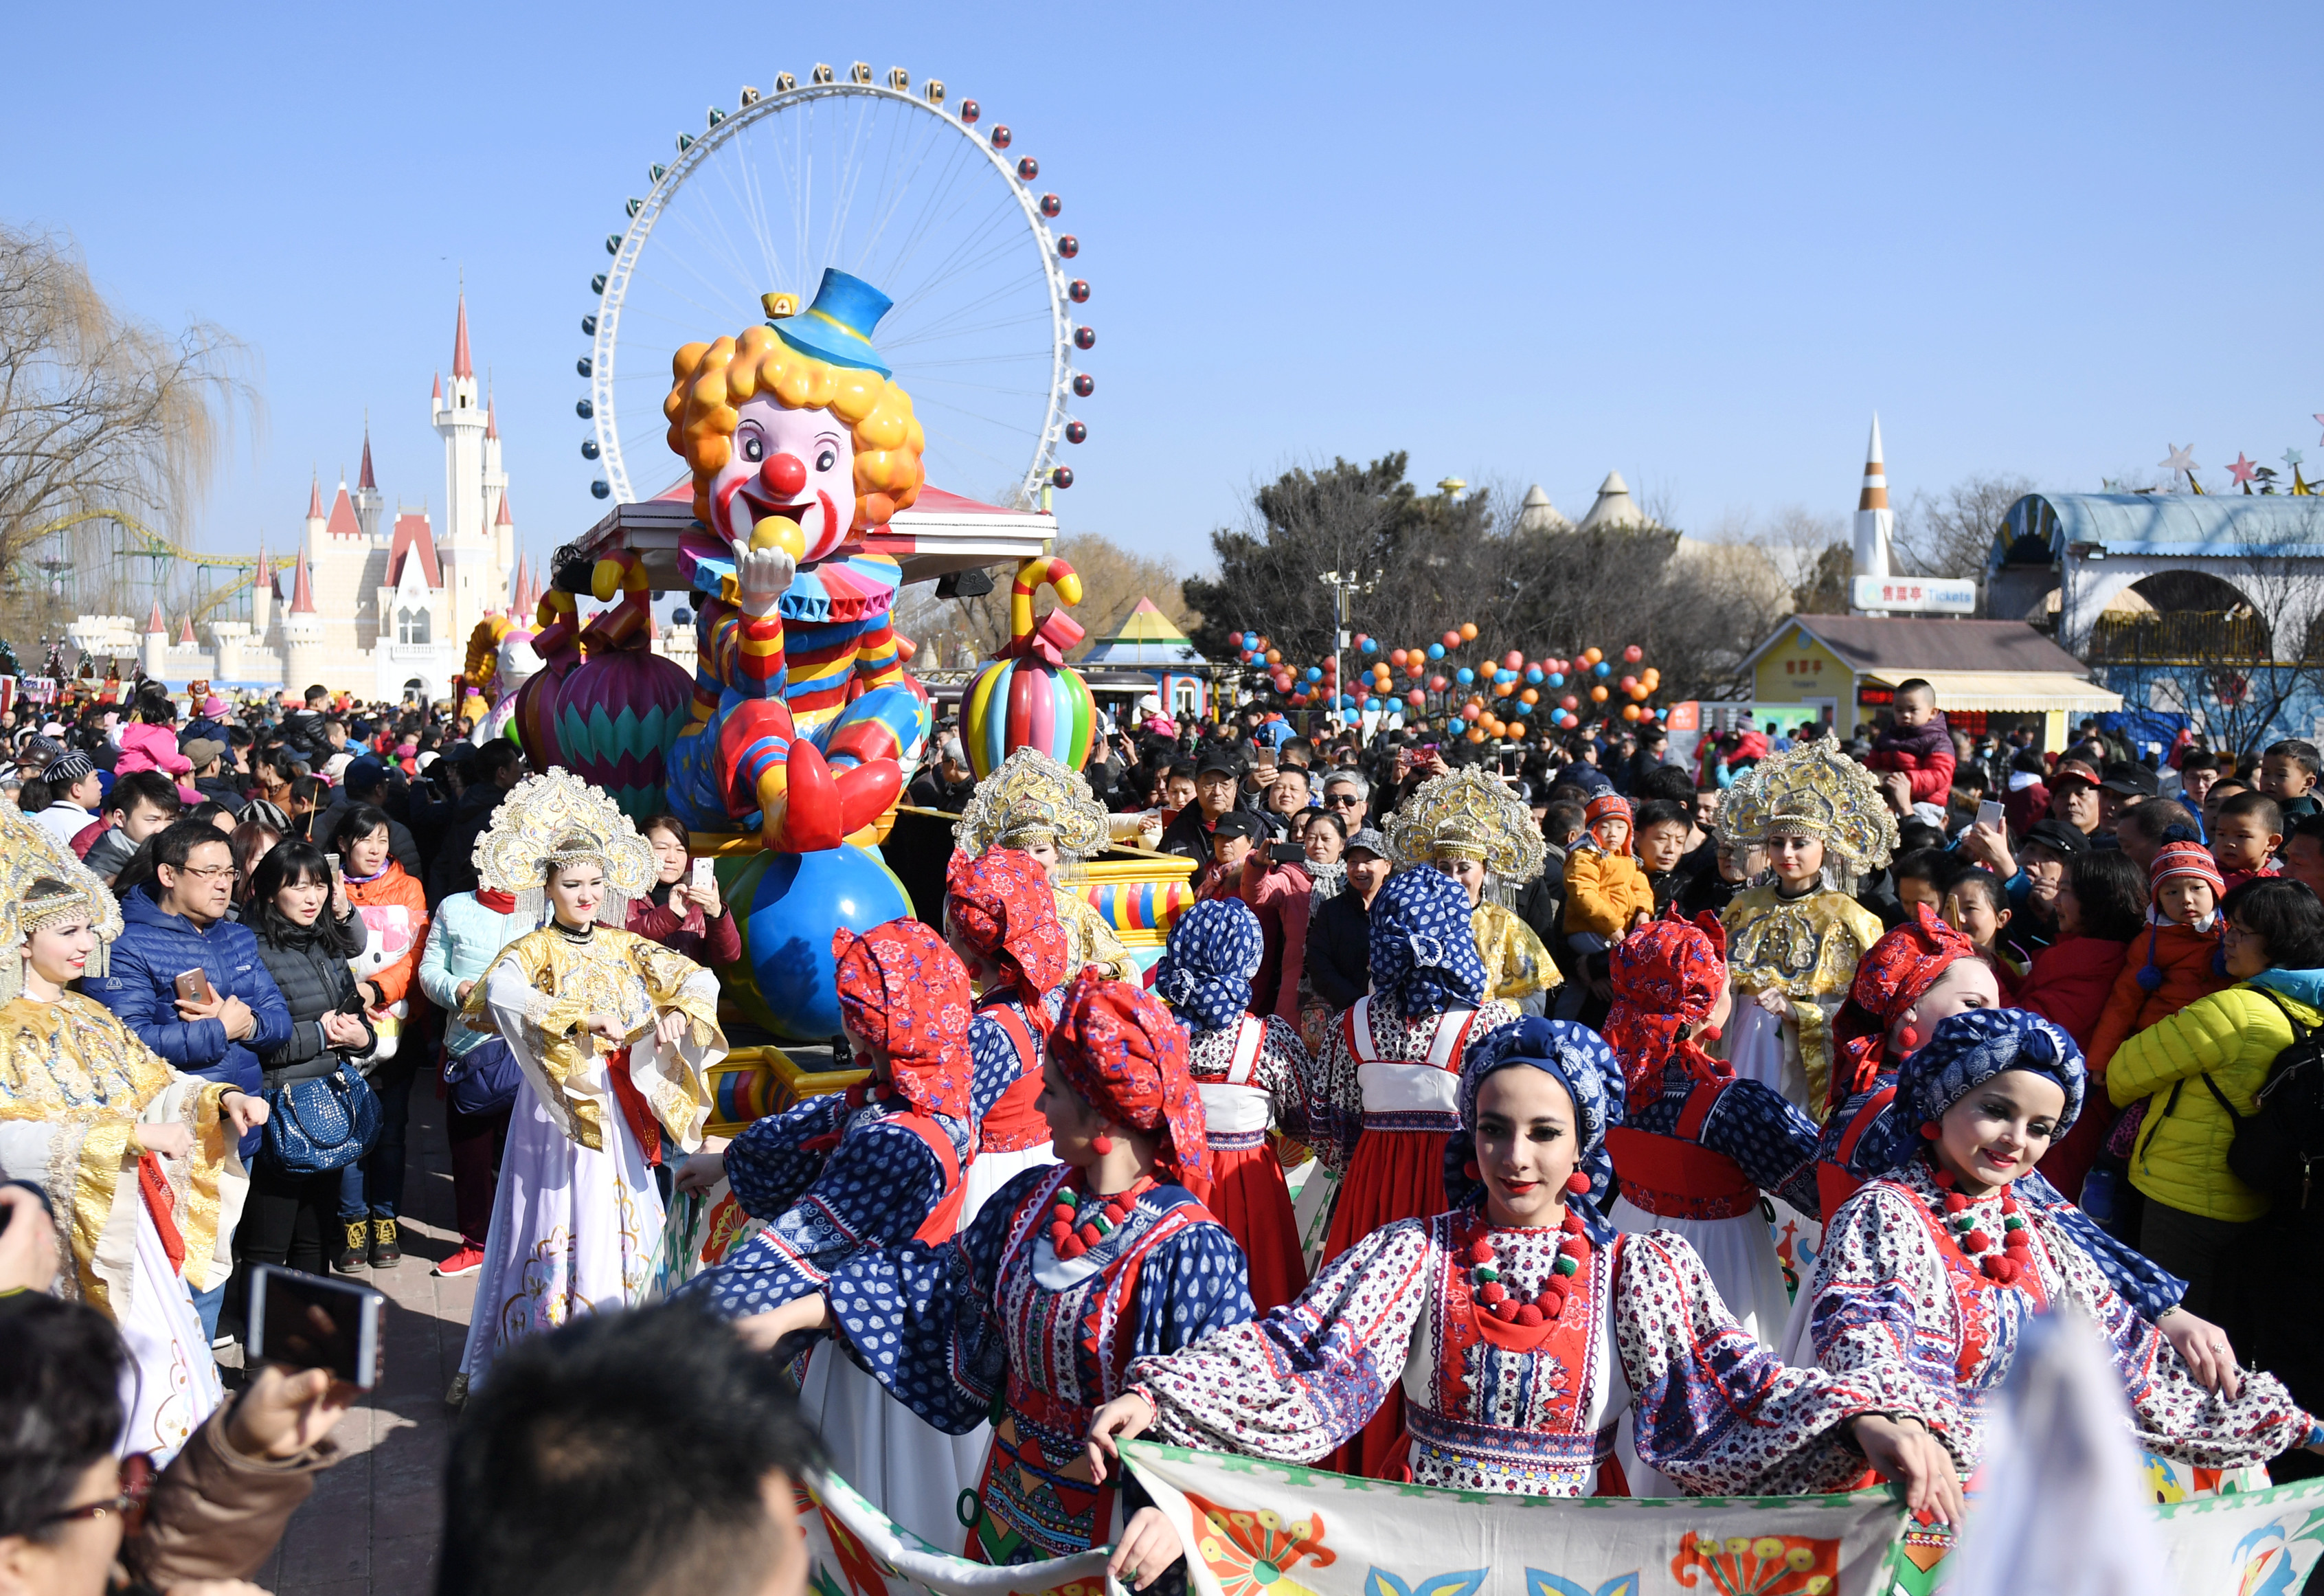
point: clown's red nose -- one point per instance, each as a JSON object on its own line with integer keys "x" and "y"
{"x": 784, "y": 474}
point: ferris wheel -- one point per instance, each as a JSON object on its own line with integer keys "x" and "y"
{"x": 894, "y": 187}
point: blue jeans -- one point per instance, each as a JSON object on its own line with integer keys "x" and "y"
{"x": 371, "y": 1187}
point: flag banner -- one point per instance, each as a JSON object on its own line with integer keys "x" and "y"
{"x": 2248, "y": 1542}
{"x": 854, "y": 1551}
{"x": 1273, "y": 1529}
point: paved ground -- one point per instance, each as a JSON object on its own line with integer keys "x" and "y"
{"x": 372, "y": 1524}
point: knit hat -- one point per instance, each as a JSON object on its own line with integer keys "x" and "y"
{"x": 1609, "y": 805}
{"x": 2185, "y": 859}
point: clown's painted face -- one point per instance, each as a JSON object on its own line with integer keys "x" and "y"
{"x": 800, "y": 464}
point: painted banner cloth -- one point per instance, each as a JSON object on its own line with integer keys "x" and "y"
{"x": 1272, "y": 1529}
{"x": 854, "y": 1551}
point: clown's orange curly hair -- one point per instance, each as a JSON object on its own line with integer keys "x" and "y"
{"x": 708, "y": 381}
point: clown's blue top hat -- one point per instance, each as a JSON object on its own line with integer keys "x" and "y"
{"x": 838, "y": 327}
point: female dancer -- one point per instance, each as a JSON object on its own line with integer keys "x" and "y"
{"x": 1001, "y": 918}
{"x": 1387, "y": 1096}
{"x": 1929, "y": 1273}
{"x": 1792, "y": 945}
{"x": 613, "y": 1035}
{"x": 1069, "y": 1274}
{"x": 1254, "y": 1076}
{"x": 139, "y": 1162}
{"x": 1696, "y": 1145}
{"x": 881, "y": 1165}
{"x": 1527, "y": 1332}
{"x": 1475, "y": 830}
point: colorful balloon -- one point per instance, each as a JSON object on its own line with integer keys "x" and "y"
{"x": 619, "y": 714}
{"x": 1598, "y": 695}
{"x": 1026, "y": 696}
{"x": 1436, "y": 651}
{"x": 1634, "y": 653}
{"x": 1453, "y": 640}
{"x": 1468, "y": 632}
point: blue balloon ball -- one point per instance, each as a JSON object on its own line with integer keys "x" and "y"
{"x": 1346, "y": 702}
{"x": 794, "y": 907}
{"x": 1371, "y": 645}
{"x": 1436, "y": 651}
{"x": 1314, "y": 673}
{"x": 1520, "y": 709}
{"x": 1534, "y": 676}
{"x": 1602, "y": 669}
{"x": 1555, "y": 678}
{"x": 1464, "y": 676}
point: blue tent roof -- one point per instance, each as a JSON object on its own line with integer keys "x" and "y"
{"x": 2169, "y": 525}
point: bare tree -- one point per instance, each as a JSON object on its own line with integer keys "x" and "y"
{"x": 99, "y": 412}
{"x": 1950, "y": 534}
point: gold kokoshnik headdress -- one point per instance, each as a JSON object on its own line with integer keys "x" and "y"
{"x": 1031, "y": 797}
{"x": 28, "y": 855}
{"x": 1816, "y": 790}
{"x": 556, "y": 819}
{"x": 1468, "y": 814}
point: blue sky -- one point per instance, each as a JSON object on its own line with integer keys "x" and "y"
{"x": 1525, "y": 242}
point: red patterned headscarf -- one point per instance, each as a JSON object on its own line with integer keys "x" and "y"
{"x": 1002, "y": 905}
{"x": 904, "y": 991}
{"x": 1892, "y": 975}
{"x": 1120, "y": 1048}
{"x": 1666, "y": 976}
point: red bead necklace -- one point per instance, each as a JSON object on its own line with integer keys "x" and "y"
{"x": 1079, "y": 1221}
{"x": 2002, "y": 1264}
{"x": 1486, "y": 1277}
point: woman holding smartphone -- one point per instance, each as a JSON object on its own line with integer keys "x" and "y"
{"x": 684, "y": 912}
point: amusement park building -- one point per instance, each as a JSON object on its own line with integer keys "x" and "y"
{"x": 367, "y": 606}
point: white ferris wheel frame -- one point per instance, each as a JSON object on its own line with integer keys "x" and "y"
{"x": 697, "y": 153}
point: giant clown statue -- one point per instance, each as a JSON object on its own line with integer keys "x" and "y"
{"x": 799, "y": 444}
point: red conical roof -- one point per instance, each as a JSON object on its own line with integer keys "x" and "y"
{"x": 315, "y": 500}
{"x": 186, "y": 635}
{"x": 342, "y": 516}
{"x": 155, "y": 623}
{"x": 436, "y": 392}
{"x": 364, "y": 480}
{"x": 460, "y": 366}
{"x": 503, "y": 519}
{"x": 492, "y": 421}
{"x": 302, "y": 595}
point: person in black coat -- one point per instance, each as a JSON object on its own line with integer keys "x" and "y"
{"x": 1340, "y": 937}
{"x": 307, "y": 931}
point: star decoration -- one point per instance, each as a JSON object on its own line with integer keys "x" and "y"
{"x": 2241, "y": 469}
{"x": 2292, "y": 456}
{"x": 2183, "y": 459}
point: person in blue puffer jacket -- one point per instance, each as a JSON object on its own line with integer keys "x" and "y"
{"x": 177, "y": 922}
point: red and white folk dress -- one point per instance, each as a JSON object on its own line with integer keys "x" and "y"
{"x": 1253, "y": 1076}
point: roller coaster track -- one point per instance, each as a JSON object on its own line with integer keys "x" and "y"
{"x": 140, "y": 541}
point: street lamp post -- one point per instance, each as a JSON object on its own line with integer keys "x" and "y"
{"x": 1343, "y": 586}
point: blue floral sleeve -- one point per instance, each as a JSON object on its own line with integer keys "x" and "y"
{"x": 1770, "y": 1137}
{"x": 771, "y": 1165}
{"x": 920, "y": 1318}
{"x": 994, "y": 1066}
{"x": 2146, "y": 1284}
{"x": 1189, "y": 1286}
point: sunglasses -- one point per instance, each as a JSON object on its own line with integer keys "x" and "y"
{"x": 135, "y": 1477}
{"x": 1341, "y": 800}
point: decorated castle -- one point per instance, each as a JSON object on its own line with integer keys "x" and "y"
{"x": 381, "y": 608}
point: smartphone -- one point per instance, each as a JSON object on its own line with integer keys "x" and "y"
{"x": 308, "y": 1322}
{"x": 706, "y": 872}
{"x": 193, "y": 985}
{"x": 1989, "y": 813}
{"x": 1287, "y": 854}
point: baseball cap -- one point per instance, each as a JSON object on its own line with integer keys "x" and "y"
{"x": 2057, "y": 837}
{"x": 201, "y": 751}
{"x": 1215, "y": 758}
{"x": 1237, "y": 823}
{"x": 1368, "y": 839}
{"x": 2131, "y": 779}
{"x": 2075, "y": 770}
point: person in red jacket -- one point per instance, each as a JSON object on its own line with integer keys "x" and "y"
{"x": 1914, "y": 756}
{"x": 693, "y": 920}
{"x": 2101, "y": 911}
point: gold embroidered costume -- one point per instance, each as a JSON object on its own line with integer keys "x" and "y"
{"x": 1806, "y": 946}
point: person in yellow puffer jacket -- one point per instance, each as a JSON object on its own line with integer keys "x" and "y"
{"x": 2212, "y": 1056}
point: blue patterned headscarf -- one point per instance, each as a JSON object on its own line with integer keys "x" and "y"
{"x": 1206, "y": 975}
{"x": 1583, "y": 1065}
{"x": 1424, "y": 957}
{"x": 1965, "y": 1051}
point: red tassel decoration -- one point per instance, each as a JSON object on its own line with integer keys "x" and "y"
{"x": 1577, "y": 1183}
{"x": 1471, "y": 1171}
{"x": 1528, "y": 1315}
{"x": 1930, "y": 1132}
{"x": 1102, "y": 1143}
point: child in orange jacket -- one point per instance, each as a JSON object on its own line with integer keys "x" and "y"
{"x": 2179, "y": 960}
{"x": 1606, "y": 892}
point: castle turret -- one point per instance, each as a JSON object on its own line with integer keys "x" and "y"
{"x": 473, "y": 580}
{"x": 154, "y": 648}
{"x": 304, "y": 661}
{"x": 369, "y": 501}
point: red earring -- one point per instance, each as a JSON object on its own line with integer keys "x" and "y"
{"x": 1929, "y": 1131}
{"x": 1908, "y": 1038}
{"x": 1471, "y": 1171}
{"x": 1577, "y": 1183}
{"x": 1710, "y": 1033}
{"x": 1104, "y": 1144}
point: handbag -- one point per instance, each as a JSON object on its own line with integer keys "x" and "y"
{"x": 483, "y": 1080}
{"x": 322, "y": 1123}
